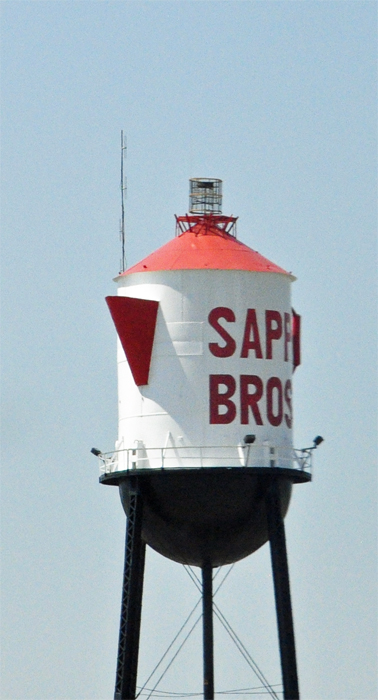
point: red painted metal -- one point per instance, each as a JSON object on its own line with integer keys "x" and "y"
{"x": 296, "y": 331}
{"x": 223, "y": 223}
{"x": 135, "y": 321}
{"x": 205, "y": 246}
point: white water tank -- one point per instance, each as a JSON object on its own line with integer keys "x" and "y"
{"x": 207, "y": 344}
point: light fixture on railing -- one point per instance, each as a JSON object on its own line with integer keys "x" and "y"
{"x": 248, "y": 440}
{"x": 304, "y": 456}
{"x": 317, "y": 441}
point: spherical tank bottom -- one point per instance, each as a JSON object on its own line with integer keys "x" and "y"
{"x": 216, "y": 515}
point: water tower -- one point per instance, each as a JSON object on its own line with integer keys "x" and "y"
{"x": 204, "y": 462}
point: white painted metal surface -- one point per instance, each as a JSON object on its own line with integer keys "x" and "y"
{"x": 181, "y": 409}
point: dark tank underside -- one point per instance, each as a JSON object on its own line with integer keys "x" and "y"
{"x": 198, "y": 515}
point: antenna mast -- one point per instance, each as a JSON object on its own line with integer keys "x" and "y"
{"x": 123, "y": 196}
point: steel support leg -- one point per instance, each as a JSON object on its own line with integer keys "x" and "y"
{"x": 131, "y": 608}
{"x": 282, "y": 592}
{"x": 208, "y": 640}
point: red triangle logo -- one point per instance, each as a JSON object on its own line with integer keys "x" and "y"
{"x": 135, "y": 321}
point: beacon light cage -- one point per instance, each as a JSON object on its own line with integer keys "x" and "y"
{"x": 205, "y": 195}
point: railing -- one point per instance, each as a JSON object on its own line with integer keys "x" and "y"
{"x": 200, "y": 457}
{"x": 303, "y": 458}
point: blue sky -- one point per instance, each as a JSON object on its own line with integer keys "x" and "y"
{"x": 279, "y": 100}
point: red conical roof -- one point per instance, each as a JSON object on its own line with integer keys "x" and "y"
{"x": 205, "y": 247}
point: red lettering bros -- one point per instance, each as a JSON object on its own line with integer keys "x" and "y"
{"x": 222, "y": 387}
